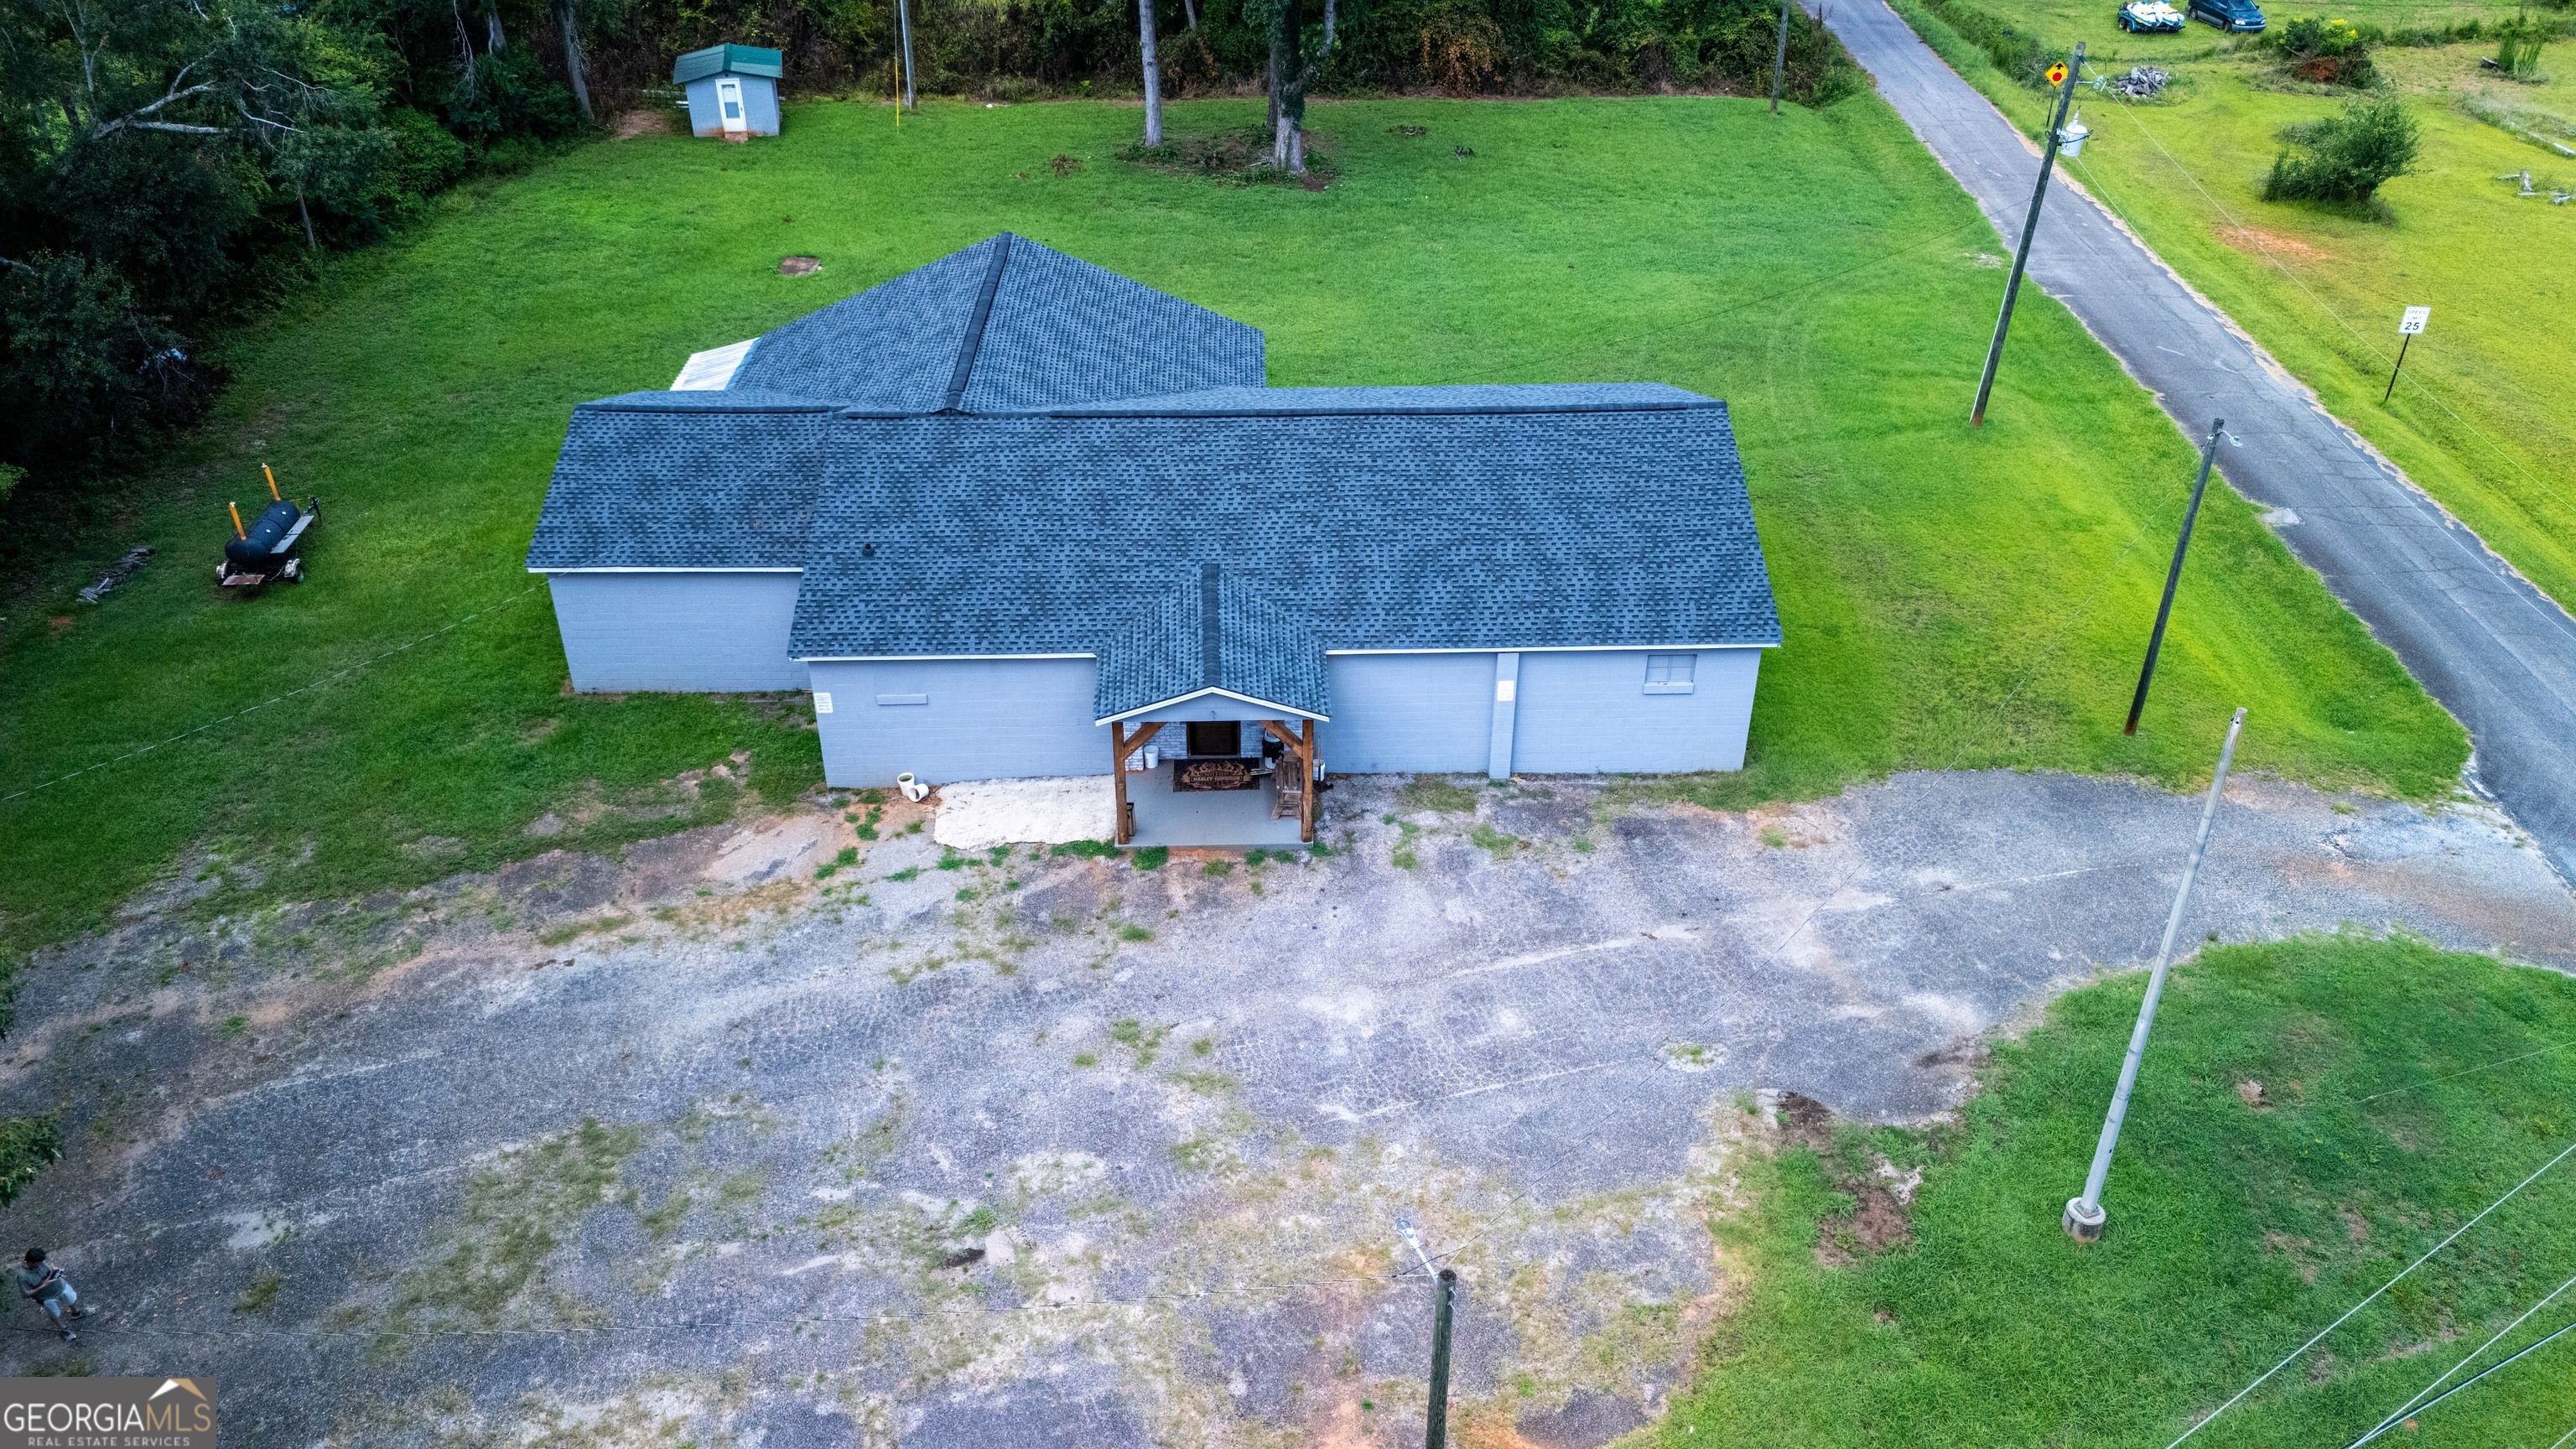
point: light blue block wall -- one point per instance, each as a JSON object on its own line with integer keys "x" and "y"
{"x": 759, "y": 105}
{"x": 1430, "y": 713}
{"x": 1584, "y": 711}
{"x": 978, "y": 719}
{"x": 695, "y": 632}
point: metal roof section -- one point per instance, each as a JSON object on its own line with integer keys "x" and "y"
{"x": 713, "y": 369}
{"x": 721, "y": 59}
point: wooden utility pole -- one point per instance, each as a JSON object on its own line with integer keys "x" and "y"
{"x": 2173, "y": 576}
{"x": 2029, "y": 228}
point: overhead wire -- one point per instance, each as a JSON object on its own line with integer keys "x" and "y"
{"x": 2416, "y": 1400}
{"x": 306, "y": 688}
{"x": 2293, "y": 1355}
{"x": 2483, "y": 1373}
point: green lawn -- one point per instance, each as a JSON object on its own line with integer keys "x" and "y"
{"x": 2487, "y": 422}
{"x": 2236, "y": 1232}
{"x": 1953, "y": 598}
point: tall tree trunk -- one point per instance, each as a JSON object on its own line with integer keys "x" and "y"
{"x": 1192, "y": 6}
{"x": 1278, "y": 135}
{"x": 1153, "y": 74}
{"x": 576, "y": 65}
{"x": 1328, "y": 25}
{"x": 312, "y": 243}
{"x": 1289, "y": 150}
{"x": 496, "y": 42}
{"x": 911, "y": 100}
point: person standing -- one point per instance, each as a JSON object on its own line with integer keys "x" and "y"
{"x": 45, "y": 1283}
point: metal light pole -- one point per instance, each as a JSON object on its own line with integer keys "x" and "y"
{"x": 2029, "y": 228}
{"x": 2084, "y": 1216}
{"x": 1780, "y": 57}
{"x": 2173, "y": 576}
{"x": 1435, "y": 1431}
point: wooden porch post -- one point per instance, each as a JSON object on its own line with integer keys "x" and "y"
{"x": 1306, "y": 803}
{"x": 1119, "y": 830}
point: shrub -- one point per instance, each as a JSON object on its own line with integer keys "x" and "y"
{"x": 2328, "y": 52}
{"x": 2345, "y": 157}
{"x": 27, "y": 1146}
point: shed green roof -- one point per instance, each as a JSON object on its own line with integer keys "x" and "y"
{"x": 718, "y": 59}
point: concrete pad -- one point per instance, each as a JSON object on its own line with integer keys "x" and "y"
{"x": 977, "y": 814}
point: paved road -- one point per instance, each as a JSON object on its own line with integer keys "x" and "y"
{"x": 2491, "y": 647}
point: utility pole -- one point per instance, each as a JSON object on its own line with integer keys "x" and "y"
{"x": 2084, "y": 1216}
{"x": 1780, "y": 57}
{"x": 2029, "y": 228}
{"x": 2173, "y": 575}
{"x": 903, "y": 21}
{"x": 1435, "y": 1430}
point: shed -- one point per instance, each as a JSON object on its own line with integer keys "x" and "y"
{"x": 1014, "y": 515}
{"x": 733, "y": 90}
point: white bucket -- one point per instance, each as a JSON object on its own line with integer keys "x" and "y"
{"x": 913, "y": 790}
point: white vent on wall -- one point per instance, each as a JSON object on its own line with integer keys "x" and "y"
{"x": 712, "y": 371}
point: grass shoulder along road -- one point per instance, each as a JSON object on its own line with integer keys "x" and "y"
{"x": 2312, "y": 1115}
{"x": 1954, "y": 598}
{"x": 2483, "y": 418}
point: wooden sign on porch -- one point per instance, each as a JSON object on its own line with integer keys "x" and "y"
{"x": 1213, "y": 775}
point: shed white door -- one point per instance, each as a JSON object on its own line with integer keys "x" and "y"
{"x": 729, "y": 102}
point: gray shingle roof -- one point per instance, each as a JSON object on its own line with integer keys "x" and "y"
{"x": 1388, "y": 530}
{"x": 1004, "y": 325}
{"x": 663, "y": 480}
{"x": 1012, "y": 452}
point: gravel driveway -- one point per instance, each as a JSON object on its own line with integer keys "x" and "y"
{"x": 1056, "y": 1151}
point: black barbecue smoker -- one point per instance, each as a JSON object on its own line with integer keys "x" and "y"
{"x": 270, "y": 551}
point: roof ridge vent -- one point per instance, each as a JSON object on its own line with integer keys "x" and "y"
{"x": 974, "y": 340}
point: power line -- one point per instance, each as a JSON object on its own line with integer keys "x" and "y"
{"x": 2293, "y": 1354}
{"x": 280, "y": 699}
{"x": 2417, "y": 1398}
{"x": 2471, "y": 1072}
{"x": 2499, "y": 1368}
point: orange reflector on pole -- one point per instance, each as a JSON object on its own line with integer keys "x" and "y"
{"x": 272, "y": 484}
{"x": 237, "y": 528}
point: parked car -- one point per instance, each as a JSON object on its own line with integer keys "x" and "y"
{"x": 2228, "y": 14}
{"x": 2149, "y": 17}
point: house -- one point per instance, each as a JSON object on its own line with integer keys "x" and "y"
{"x": 1013, "y": 515}
{"x": 733, "y": 90}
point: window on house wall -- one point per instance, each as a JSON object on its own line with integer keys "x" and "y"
{"x": 1670, "y": 673}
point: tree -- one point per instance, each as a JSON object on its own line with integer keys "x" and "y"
{"x": 2345, "y": 157}
{"x": 1153, "y": 74}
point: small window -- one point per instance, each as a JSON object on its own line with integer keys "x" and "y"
{"x": 1670, "y": 673}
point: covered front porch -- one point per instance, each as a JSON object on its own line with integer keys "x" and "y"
{"x": 1245, "y": 783}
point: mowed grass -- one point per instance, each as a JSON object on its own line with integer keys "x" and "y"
{"x": 2236, "y": 1231}
{"x": 1952, "y": 597}
{"x": 2484, "y": 419}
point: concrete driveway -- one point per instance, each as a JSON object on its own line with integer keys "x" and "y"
{"x": 2494, "y": 650}
{"x": 1056, "y": 1151}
